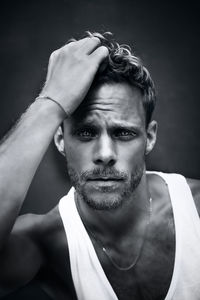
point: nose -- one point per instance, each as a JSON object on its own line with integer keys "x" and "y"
{"x": 105, "y": 151}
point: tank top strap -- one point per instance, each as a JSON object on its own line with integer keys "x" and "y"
{"x": 185, "y": 283}
{"x": 89, "y": 279}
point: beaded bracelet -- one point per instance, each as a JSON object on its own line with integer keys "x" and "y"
{"x": 49, "y": 98}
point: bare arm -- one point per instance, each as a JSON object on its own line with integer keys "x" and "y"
{"x": 20, "y": 155}
{"x": 70, "y": 74}
{"x": 21, "y": 257}
{"x": 194, "y": 185}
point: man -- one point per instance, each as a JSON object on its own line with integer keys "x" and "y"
{"x": 123, "y": 233}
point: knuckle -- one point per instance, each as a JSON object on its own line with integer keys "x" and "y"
{"x": 53, "y": 54}
{"x": 63, "y": 52}
{"x": 70, "y": 45}
{"x": 83, "y": 60}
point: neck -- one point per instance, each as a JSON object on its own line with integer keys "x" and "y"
{"x": 121, "y": 220}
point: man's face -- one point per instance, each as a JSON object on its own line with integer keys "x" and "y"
{"x": 105, "y": 144}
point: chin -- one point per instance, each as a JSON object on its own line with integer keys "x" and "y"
{"x": 103, "y": 199}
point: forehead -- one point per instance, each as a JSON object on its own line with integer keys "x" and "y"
{"x": 117, "y": 102}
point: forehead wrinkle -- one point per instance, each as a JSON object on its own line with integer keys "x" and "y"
{"x": 96, "y": 118}
{"x": 97, "y": 106}
{"x": 116, "y": 112}
{"x": 101, "y": 103}
{"x": 115, "y": 102}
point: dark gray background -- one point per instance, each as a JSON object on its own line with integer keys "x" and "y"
{"x": 164, "y": 34}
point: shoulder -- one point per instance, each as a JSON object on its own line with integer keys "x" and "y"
{"x": 41, "y": 229}
{"x": 156, "y": 183}
{"x": 20, "y": 257}
{"x": 28, "y": 233}
{"x": 51, "y": 227}
{"x": 194, "y": 185}
{"x": 35, "y": 243}
{"x": 34, "y": 226}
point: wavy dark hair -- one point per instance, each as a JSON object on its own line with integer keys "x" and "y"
{"x": 123, "y": 66}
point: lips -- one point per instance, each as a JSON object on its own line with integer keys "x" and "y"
{"x": 104, "y": 179}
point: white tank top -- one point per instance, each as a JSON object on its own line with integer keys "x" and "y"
{"x": 88, "y": 275}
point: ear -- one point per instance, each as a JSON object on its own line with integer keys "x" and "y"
{"x": 151, "y": 136}
{"x": 59, "y": 140}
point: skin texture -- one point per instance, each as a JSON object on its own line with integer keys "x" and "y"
{"x": 65, "y": 81}
{"x": 68, "y": 83}
{"x": 25, "y": 145}
{"x": 106, "y": 139}
{"x": 94, "y": 139}
{"x": 105, "y": 152}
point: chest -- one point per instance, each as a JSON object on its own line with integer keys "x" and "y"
{"x": 150, "y": 278}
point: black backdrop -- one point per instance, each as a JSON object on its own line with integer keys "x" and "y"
{"x": 164, "y": 34}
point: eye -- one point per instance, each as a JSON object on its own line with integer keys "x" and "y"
{"x": 86, "y": 134}
{"x": 124, "y": 134}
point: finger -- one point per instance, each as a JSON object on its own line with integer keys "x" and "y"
{"x": 89, "y": 45}
{"x": 73, "y": 44}
{"x": 100, "y": 54}
{"x": 79, "y": 42}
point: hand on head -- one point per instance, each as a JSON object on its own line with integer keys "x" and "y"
{"x": 71, "y": 71}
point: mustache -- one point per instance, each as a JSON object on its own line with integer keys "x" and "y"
{"x": 96, "y": 173}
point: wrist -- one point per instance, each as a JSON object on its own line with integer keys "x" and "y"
{"x": 51, "y": 108}
{"x": 45, "y": 97}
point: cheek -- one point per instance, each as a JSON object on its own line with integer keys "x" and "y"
{"x": 133, "y": 154}
{"x": 133, "y": 149}
{"x": 77, "y": 156}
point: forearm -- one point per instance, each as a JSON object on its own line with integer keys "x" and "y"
{"x": 20, "y": 155}
{"x": 21, "y": 151}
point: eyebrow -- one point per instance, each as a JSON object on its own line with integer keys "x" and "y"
{"x": 112, "y": 125}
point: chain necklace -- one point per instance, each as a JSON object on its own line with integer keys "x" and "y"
{"x": 105, "y": 251}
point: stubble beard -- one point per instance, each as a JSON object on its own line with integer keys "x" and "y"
{"x": 109, "y": 200}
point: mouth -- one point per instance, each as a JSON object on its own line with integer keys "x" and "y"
{"x": 105, "y": 184}
{"x": 104, "y": 179}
